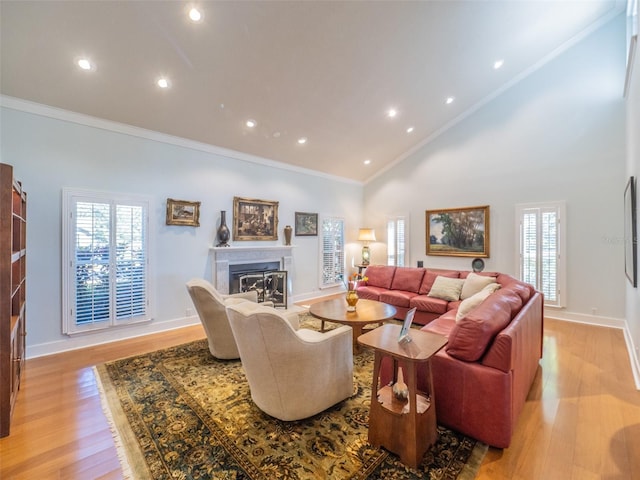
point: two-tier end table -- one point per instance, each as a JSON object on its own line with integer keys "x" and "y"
{"x": 404, "y": 427}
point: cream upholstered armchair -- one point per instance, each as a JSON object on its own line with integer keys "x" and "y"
{"x": 210, "y": 305}
{"x": 292, "y": 373}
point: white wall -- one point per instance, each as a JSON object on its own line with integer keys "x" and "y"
{"x": 51, "y": 153}
{"x": 556, "y": 135}
{"x": 633, "y": 168}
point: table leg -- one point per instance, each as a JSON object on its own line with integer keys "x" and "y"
{"x": 357, "y": 331}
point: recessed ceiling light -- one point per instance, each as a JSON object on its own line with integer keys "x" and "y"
{"x": 302, "y": 140}
{"x": 392, "y": 113}
{"x": 195, "y": 15}
{"x": 85, "y": 64}
{"x": 450, "y": 100}
{"x": 367, "y": 162}
{"x": 251, "y": 123}
{"x": 498, "y": 63}
{"x": 163, "y": 82}
{"x": 410, "y": 129}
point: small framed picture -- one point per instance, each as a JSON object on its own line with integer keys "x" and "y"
{"x": 306, "y": 224}
{"x": 182, "y": 212}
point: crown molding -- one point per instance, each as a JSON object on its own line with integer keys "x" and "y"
{"x": 27, "y": 106}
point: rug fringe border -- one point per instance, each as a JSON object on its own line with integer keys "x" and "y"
{"x": 127, "y": 473}
{"x": 472, "y": 466}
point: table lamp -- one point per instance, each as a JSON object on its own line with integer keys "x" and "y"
{"x": 366, "y": 235}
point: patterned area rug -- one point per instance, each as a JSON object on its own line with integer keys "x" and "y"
{"x": 181, "y": 414}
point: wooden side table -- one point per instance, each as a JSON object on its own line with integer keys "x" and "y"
{"x": 367, "y": 312}
{"x": 404, "y": 427}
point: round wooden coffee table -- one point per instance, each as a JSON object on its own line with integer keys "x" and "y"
{"x": 367, "y": 312}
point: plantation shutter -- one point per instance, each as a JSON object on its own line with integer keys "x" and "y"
{"x": 396, "y": 241}
{"x": 332, "y": 255}
{"x": 106, "y": 249}
{"x": 131, "y": 262}
{"x": 540, "y": 250}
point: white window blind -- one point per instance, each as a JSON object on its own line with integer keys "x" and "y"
{"x": 541, "y": 252}
{"x": 106, "y": 252}
{"x": 332, "y": 254}
{"x": 397, "y": 241}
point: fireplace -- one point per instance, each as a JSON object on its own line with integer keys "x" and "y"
{"x": 265, "y": 278}
{"x": 272, "y": 265}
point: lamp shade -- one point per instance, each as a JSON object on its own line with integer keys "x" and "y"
{"x": 367, "y": 235}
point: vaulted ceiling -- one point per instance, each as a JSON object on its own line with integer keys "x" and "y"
{"x": 325, "y": 71}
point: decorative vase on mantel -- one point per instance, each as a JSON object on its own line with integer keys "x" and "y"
{"x": 287, "y": 235}
{"x": 223, "y": 234}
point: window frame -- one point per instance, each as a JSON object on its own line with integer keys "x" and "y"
{"x": 70, "y": 198}
{"x": 559, "y": 207}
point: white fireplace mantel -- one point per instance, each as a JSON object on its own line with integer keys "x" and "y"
{"x": 225, "y": 256}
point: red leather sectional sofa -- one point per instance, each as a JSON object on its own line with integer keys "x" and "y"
{"x": 483, "y": 376}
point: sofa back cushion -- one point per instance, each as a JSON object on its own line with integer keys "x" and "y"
{"x": 408, "y": 279}
{"x": 524, "y": 290}
{"x": 380, "y": 275}
{"x": 430, "y": 277}
{"x": 474, "y": 332}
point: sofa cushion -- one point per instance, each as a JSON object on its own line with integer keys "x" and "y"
{"x": 473, "y": 284}
{"x": 512, "y": 298}
{"x": 441, "y": 325}
{"x": 524, "y": 290}
{"x": 474, "y": 332}
{"x": 398, "y": 298}
{"x": 408, "y": 279}
{"x": 380, "y": 275}
{"x": 425, "y": 303}
{"x": 446, "y": 288}
{"x": 430, "y": 277}
{"x": 369, "y": 292}
{"x": 473, "y": 301}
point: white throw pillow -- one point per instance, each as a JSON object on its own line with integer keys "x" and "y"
{"x": 473, "y": 301}
{"x": 474, "y": 283}
{"x": 446, "y": 288}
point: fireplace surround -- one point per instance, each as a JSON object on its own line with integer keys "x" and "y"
{"x": 240, "y": 257}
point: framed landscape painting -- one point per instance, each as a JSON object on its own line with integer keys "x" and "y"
{"x": 458, "y": 232}
{"x": 182, "y": 212}
{"x": 306, "y": 224}
{"x": 254, "y": 219}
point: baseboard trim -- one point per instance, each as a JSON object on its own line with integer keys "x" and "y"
{"x": 99, "y": 338}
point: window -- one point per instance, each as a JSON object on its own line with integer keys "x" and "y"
{"x": 396, "y": 241}
{"x": 106, "y": 255}
{"x": 541, "y": 249}
{"x": 332, "y": 254}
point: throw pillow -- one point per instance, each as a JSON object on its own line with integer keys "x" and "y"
{"x": 446, "y": 288}
{"x": 473, "y": 284}
{"x": 473, "y": 301}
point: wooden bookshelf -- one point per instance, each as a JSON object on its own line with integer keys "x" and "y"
{"x": 13, "y": 257}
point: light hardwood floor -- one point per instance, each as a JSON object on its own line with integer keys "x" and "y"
{"x": 582, "y": 419}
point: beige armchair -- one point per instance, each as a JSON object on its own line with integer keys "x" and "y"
{"x": 210, "y": 305}
{"x": 292, "y": 373}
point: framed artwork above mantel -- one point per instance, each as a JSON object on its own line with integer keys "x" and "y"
{"x": 254, "y": 219}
